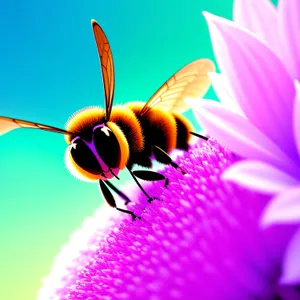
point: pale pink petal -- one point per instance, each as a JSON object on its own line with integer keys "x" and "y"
{"x": 284, "y": 208}
{"x": 297, "y": 117}
{"x": 224, "y": 93}
{"x": 291, "y": 265}
{"x": 238, "y": 134}
{"x": 260, "y": 17}
{"x": 259, "y": 176}
{"x": 258, "y": 80}
{"x": 289, "y": 25}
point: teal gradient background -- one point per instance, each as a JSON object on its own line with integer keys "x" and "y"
{"x": 49, "y": 69}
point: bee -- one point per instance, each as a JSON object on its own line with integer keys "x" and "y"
{"x": 102, "y": 142}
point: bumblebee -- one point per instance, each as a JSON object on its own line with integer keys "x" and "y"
{"x": 101, "y": 142}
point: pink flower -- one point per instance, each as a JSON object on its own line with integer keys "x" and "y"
{"x": 259, "y": 114}
{"x": 201, "y": 241}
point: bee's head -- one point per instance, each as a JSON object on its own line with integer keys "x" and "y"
{"x": 94, "y": 154}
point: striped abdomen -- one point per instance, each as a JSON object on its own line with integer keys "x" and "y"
{"x": 158, "y": 127}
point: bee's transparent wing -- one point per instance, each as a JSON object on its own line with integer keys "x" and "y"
{"x": 8, "y": 124}
{"x": 191, "y": 81}
{"x": 107, "y": 66}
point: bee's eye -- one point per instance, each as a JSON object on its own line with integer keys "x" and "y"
{"x": 107, "y": 146}
{"x": 84, "y": 157}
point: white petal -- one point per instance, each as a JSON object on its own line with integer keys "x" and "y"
{"x": 291, "y": 268}
{"x": 289, "y": 24}
{"x": 260, "y": 17}
{"x": 284, "y": 208}
{"x": 259, "y": 176}
{"x": 258, "y": 79}
{"x": 239, "y": 135}
{"x": 223, "y": 91}
{"x": 297, "y": 117}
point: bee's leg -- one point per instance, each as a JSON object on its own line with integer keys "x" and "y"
{"x": 151, "y": 176}
{"x": 117, "y": 191}
{"x": 128, "y": 212}
{"x": 111, "y": 200}
{"x": 166, "y": 159}
{"x": 150, "y": 199}
{"x": 199, "y": 136}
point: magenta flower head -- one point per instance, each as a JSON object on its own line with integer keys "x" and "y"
{"x": 259, "y": 114}
{"x": 201, "y": 240}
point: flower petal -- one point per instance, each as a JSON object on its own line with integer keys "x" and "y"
{"x": 258, "y": 80}
{"x": 260, "y": 17}
{"x": 239, "y": 135}
{"x": 297, "y": 117}
{"x": 291, "y": 271}
{"x": 289, "y": 24}
{"x": 284, "y": 208}
{"x": 224, "y": 93}
{"x": 259, "y": 176}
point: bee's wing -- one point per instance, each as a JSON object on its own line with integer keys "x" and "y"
{"x": 107, "y": 66}
{"x": 8, "y": 124}
{"x": 191, "y": 81}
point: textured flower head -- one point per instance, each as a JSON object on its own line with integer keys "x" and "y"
{"x": 202, "y": 240}
{"x": 258, "y": 117}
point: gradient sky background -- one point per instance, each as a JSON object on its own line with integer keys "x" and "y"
{"x": 49, "y": 69}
